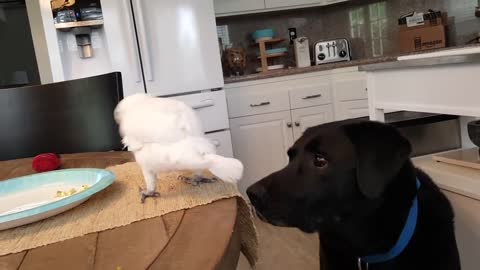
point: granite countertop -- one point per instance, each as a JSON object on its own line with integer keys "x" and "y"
{"x": 295, "y": 70}
{"x": 384, "y": 60}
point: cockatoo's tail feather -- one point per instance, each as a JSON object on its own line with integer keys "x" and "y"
{"x": 227, "y": 169}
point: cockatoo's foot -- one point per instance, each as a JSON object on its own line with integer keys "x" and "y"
{"x": 145, "y": 194}
{"x": 197, "y": 179}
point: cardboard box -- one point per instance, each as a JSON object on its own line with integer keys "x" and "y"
{"x": 429, "y": 35}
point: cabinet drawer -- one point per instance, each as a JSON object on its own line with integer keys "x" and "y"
{"x": 351, "y": 109}
{"x": 211, "y": 107}
{"x": 310, "y": 94}
{"x": 223, "y": 142}
{"x": 256, "y": 101}
{"x": 353, "y": 87}
{"x": 227, "y": 6}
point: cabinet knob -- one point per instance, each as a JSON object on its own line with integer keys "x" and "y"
{"x": 289, "y": 124}
{"x": 297, "y": 124}
{"x": 216, "y": 143}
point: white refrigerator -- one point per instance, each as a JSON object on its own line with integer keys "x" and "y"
{"x": 170, "y": 48}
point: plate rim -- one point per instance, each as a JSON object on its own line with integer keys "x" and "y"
{"x": 107, "y": 179}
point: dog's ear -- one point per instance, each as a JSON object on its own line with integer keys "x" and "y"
{"x": 381, "y": 152}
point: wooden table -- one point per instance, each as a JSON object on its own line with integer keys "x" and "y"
{"x": 203, "y": 237}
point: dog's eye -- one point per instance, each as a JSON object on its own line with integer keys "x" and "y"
{"x": 320, "y": 161}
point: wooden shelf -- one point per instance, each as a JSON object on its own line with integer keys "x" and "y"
{"x": 273, "y": 55}
{"x": 273, "y": 40}
{"x": 69, "y": 25}
{"x": 263, "y": 52}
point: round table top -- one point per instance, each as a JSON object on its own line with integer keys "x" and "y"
{"x": 204, "y": 237}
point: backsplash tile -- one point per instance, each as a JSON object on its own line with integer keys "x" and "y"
{"x": 370, "y": 25}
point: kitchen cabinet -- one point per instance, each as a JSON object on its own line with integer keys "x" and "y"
{"x": 352, "y": 109}
{"x": 350, "y": 95}
{"x": 350, "y": 86}
{"x": 310, "y": 117}
{"x": 261, "y": 143}
{"x": 310, "y": 92}
{"x": 232, "y": 6}
{"x": 268, "y": 116}
{"x": 236, "y": 7}
{"x": 288, "y": 3}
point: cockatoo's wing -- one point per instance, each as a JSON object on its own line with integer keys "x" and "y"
{"x": 143, "y": 119}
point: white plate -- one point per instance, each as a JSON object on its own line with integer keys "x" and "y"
{"x": 32, "y": 198}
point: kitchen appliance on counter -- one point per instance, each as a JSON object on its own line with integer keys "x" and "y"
{"x": 302, "y": 52}
{"x": 331, "y": 51}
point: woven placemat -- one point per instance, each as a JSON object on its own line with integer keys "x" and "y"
{"x": 119, "y": 205}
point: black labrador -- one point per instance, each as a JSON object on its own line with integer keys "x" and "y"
{"x": 353, "y": 182}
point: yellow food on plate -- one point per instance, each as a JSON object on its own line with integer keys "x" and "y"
{"x": 62, "y": 194}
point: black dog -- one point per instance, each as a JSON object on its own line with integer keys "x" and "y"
{"x": 354, "y": 183}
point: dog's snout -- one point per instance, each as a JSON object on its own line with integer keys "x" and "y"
{"x": 256, "y": 194}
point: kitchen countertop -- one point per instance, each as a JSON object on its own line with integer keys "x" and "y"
{"x": 365, "y": 64}
{"x": 424, "y": 62}
{"x": 295, "y": 70}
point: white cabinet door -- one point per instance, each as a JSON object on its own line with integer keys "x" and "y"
{"x": 310, "y": 117}
{"x": 351, "y": 97}
{"x": 350, "y": 86}
{"x": 122, "y": 44}
{"x": 288, "y": 3}
{"x": 351, "y": 109}
{"x": 230, "y": 6}
{"x": 261, "y": 143}
{"x": 179, "y": 45}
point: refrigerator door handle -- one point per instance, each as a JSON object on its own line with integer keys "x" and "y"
{"x": 135, "y": 55}
{"x": 143, "y": 40}
{"x": 203, "y": 104}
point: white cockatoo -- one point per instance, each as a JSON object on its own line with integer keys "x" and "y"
{"x": 165, "y": 135}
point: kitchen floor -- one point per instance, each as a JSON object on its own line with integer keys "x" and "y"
{"x": 284, "y": 248}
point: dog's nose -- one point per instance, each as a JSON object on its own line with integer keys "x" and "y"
{"x": 256, "y": 194}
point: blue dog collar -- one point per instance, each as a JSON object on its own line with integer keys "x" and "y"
{"x": 402, "y": 242}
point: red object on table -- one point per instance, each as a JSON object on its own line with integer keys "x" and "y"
{"x": 46, "y": 162}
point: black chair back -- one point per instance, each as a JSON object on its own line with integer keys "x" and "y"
{"x": 65, "y": 117}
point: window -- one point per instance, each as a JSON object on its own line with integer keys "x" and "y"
{"x": 357, "y": 23}
{"x": 462, "y": 10}
{"x": 378, "y": 24}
